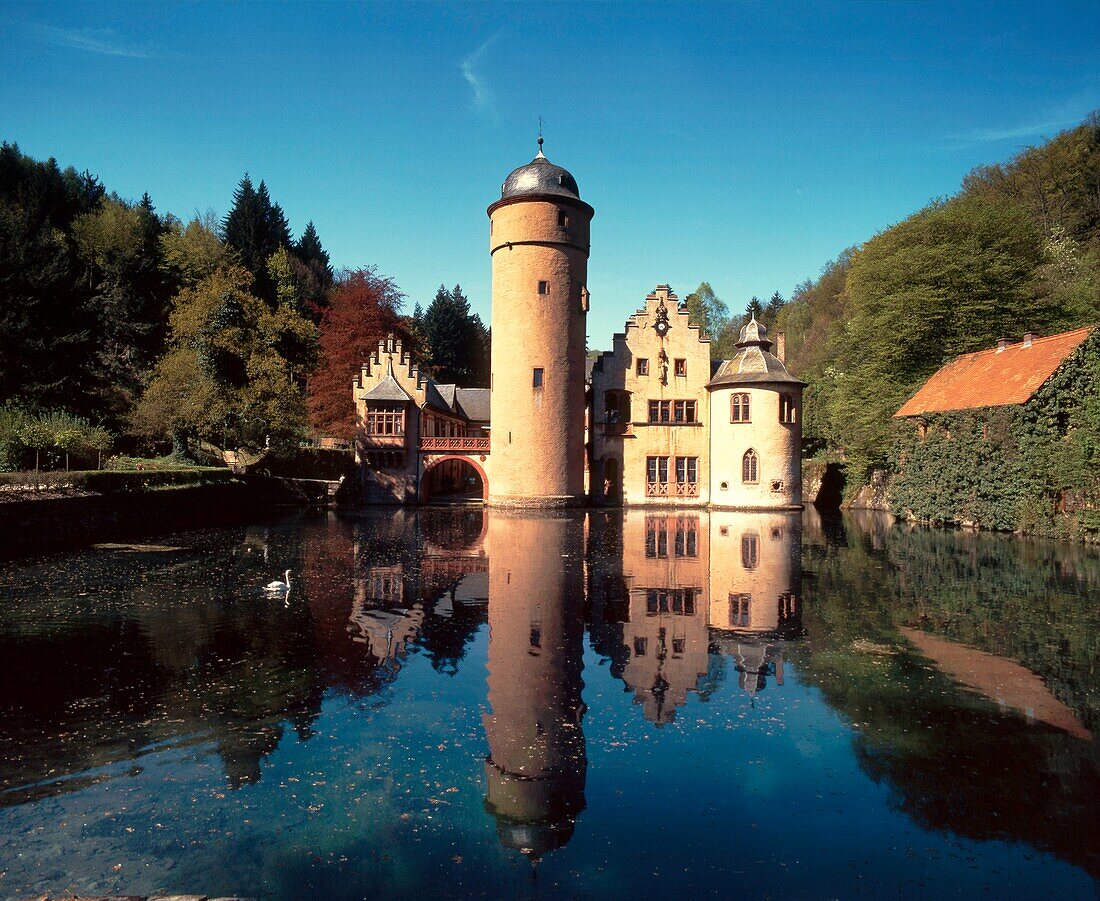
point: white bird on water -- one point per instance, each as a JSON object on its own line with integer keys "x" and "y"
{"x": 279, "y": 588}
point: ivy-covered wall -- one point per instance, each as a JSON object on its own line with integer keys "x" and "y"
{"x": 1033, "y": 468}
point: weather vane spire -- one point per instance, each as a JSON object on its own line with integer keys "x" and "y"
{"x": 540, "y": 136}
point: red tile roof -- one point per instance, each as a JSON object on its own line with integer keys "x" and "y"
{"x": 993, "y": 378}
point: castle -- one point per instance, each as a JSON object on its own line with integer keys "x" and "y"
{"x": 652, "y": 421}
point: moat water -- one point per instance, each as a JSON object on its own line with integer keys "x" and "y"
{"x": 455, "y": 703}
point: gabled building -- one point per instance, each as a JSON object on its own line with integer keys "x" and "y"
{"x": 670, "y": 428}
{"x": 416, "y": 438}
{"x": 989, "y": 439}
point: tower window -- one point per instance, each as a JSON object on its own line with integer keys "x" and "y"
{"x": 536, "y": 380}
{"x": 739, "y": 409}
{"x": 681, "y": 367}
{"x": 788, "y": 409}
{"x": 750, "y": 467}
{"x": 544, "y": 288}
{"x": 563, "y": 220}
{"x": 750, "y": 551}
{"x": 643, "y": 366}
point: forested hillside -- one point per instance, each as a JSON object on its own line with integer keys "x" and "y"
{"x": 122, "y": 327}
{"x": 1016, "y": 249}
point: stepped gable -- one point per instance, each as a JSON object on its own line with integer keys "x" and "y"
{"x": 1005, "y": 375}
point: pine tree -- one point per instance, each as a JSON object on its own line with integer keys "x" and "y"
{"x": 314, "y": 272}
{"x": 456, "y": 338}
{"x": 256, "y": 228}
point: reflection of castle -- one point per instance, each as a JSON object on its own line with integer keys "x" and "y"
{"x": 537, "y": 761}
{"x": 667, "y": 590}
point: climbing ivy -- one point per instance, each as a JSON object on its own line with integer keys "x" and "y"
{"x": 1031, "y": 468}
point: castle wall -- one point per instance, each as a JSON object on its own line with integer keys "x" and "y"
{"x": 538, "y": 432}
{"x": 778, "y": 448}
{"x": 631, "y": 443}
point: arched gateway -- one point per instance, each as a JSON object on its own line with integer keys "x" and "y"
{"x": 453, "y": 477}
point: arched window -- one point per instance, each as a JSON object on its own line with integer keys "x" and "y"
{"x": 750, "y": 467}
{"x": 739, "y": 408}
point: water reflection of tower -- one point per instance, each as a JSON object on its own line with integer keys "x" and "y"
{"x": 755, "y": 585}
{"x": 537, "y": 760}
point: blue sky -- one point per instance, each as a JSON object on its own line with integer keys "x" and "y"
{"x": 744, "y": 144}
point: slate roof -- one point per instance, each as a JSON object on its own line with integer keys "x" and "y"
{"x": 994, "y": 378}
{"x": 473, "y": 403}
{"x": 754, "y": 363}
{"x": 387, "y": 390}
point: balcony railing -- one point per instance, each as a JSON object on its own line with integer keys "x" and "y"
{"x": 667, "y": 489}
{"x": 439, "y": 443}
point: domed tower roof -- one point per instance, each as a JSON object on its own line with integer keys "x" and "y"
{"x": 540, "y": 178}
{"x": 754, "y": 362}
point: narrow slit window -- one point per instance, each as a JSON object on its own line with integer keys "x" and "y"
{"x": 544, "y": 288}
{"x": 563, "y": 220}
{"x": 536, "y": 379}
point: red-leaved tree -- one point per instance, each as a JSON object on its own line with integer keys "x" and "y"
{"x": 362, "y": 309}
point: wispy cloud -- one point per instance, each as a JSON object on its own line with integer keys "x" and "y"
{"x": 484, "y": 99}
{"x": 1061, "y": 116}
{"x": 92, "y": 40}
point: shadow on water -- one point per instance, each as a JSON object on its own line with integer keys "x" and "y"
{"x": 958, "y": 669}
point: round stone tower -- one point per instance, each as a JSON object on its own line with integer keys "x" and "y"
{"x": 539, "y": 241}
{"x": 755, "y": 428}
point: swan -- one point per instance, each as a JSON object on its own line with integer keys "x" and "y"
{"x": 278, "y": 587}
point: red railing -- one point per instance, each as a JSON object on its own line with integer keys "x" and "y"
{"x": 455, "y": 445}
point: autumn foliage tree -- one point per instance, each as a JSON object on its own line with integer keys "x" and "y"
{"x": 362, "y": 309}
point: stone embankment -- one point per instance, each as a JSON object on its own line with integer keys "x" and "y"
{"x": 49, "y": 520}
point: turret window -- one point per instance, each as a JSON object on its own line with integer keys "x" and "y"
{"x": 750, "y": 467}
{"x": 563, "y": 220}
{"x": 739, "y": 409}
{"x": 788, "y": 409}
{"x": 536, "y": 378}
{"x": 544, "y": 288}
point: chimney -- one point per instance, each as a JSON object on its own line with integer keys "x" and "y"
{"x": 1029, "y": 337}
{"x": 1002, "y": 343}
{"x": 781, "y": 347}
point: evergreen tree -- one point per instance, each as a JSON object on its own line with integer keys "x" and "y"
{"x": 256, "y": 228}
{"x": 456, "y": 339}
{"x": 775, "y": 304}
{"x": 754, "y": 309}
{"x": 314, "y": 272}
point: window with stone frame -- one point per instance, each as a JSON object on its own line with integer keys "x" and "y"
{"x": 788, "y": 409}
{"x": 740, "y": 608}
{"x": 384, "y": 420}
{"x": 656, "y": 477}
{"x": 685, "y": 411}
{"x": 680, "y": 367}
{"x": 750, "y": 550}
{"x": 642, "y": 366}
{"x": 750, "y": 467}
{"x": 739, "y": 408}
{"x": 660, "y": 411}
